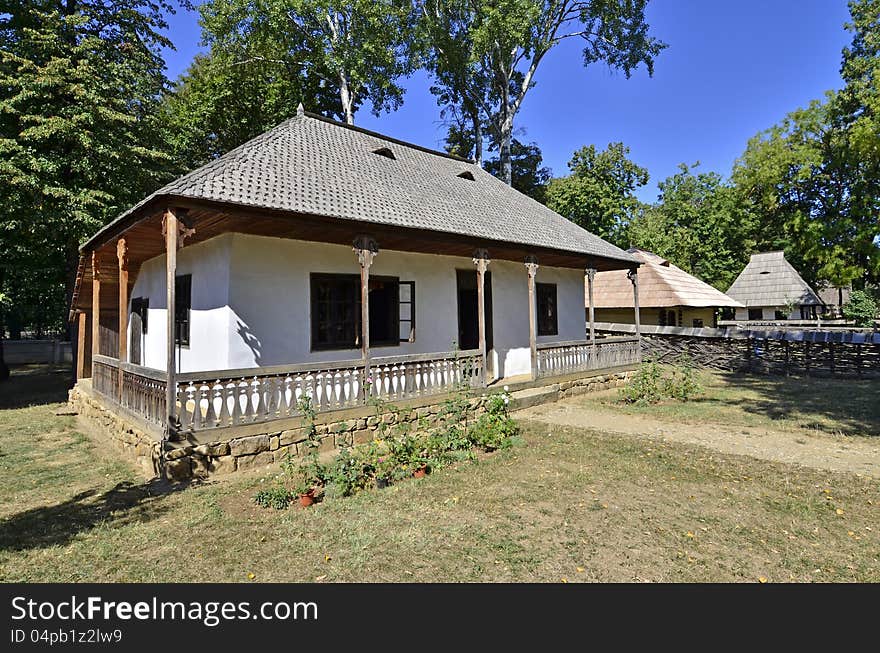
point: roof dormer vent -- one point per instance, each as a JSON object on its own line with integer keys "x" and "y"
{"x": 386, "y": 152}
{"x": 467, "y": 174}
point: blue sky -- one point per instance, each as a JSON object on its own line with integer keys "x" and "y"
{"x": 732, "y": 69}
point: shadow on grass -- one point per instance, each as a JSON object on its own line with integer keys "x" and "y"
{"x": 852, "y": 405}
{"x": 33, "y": 385}
{"x": 46, "y": 526}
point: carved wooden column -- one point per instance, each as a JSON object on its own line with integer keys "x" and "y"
{"x": 82, "y": 321}
{"x": 366, "y": 249}
{"x": 590, "y": 273}
{"x": 481, "y": 260}
{"x": 122, "y": 256}
{"x": 171, "y": 226}
{"x": 532, "y": 268}
{"x": 633, "y": 276}
{"x": 96, "y": 304}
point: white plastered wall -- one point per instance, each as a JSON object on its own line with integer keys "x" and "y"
{"x": 251, "y": 305}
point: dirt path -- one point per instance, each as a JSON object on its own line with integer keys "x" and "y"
{"x": 819, "y": 451}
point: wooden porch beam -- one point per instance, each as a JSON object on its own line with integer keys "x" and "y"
{"x": 591, "y": 276}
{"x": 81, "y": 323}
{"x": 633, "y": 276}
{"x": 366, "y": 249}
{"x": 96, "y": 304}
{"x": 481, "y": 260}
{"x": 122, "y": 257}
{"x": 171, "y": 227}
{"x": 532, "y": 269}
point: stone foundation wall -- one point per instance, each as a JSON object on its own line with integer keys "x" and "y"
{"x": 204, "y": 456}
{"x": 593, "y": 384}
{"x": 122, "y": 433}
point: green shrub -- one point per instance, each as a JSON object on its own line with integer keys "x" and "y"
{"x": 650, "y": 385}
{"x": 277, "y": 497}
{"x": 861, "y": 308}
{"x": 495, "y": 429}
{"x": 645, "y": 387}
{"x": 682, "y": 383}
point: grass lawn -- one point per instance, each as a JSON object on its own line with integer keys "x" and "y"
{"x": 570, "y": 504}
{"x": 839, "y": 407}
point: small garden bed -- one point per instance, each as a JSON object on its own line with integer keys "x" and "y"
{"x": 396, "y": 453}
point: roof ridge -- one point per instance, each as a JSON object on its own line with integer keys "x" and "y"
{"x": 384, "y": 137}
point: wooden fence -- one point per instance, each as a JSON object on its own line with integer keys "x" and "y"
{"x": 848, "y": 354}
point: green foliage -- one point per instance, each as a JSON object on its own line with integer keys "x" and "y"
{"x": 80, "y": 138}
{"x": 302, "y": 475}
{"x": 483, "y": 54}
{"x": 495, "y": 429}
{"x": 396, "y": 453}
{"x": 358, "y": 48}
{"x": 233, "y": 94}
{"x": 862, "y": 309}
{"x": 599, "y": 194}
{"x": 650, "y": 385}
{"x": 815, "y": 177}
{"x": 528, "y": 175}
{"x": 700, "y": 224}
{"x": 682, "y": 383}
{"x": 277, "y": 497}
{"x": 645, "y": 386}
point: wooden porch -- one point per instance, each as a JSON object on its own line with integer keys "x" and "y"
{"x": 226, "y": 400}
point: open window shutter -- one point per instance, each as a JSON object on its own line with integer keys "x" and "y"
{"x": 407, "y": 303}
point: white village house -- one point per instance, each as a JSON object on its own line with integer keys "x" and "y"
{"x": 319, "y": 256}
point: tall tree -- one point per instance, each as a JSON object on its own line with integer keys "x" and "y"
{"x": 228, "y": 97}
{"x": 504, "y": 42}
{"x": 528, "y": 174}
{"x": 80, "y": 83}
{"x": 599, "y": 194}
{"x": 700, "y": 224}
{"x": 815, "y": 177}
{"x": 361, "y": 48}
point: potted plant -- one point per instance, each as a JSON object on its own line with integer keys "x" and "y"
{"x": 383, "y": 470}
{"x": 305, "y": 476}
{"x": 420, "y": 463}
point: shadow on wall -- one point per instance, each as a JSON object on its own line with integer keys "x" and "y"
{"x": 252, "y": 341}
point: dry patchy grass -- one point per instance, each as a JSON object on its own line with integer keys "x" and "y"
{"x": 569, "y": 504}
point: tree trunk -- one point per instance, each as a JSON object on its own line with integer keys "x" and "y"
{"x": 478, "y": 137}
{"x": 504, "y": 153}
{"x": 4, "y": 368}
{"x": 345, "y": 97}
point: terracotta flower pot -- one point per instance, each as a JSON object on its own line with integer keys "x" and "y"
{"x": 420, "y": 472}
{"x": 307, "y": 499}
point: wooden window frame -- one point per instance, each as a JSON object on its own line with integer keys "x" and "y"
{"x": 182, "y": 325}
{"x": 317, "y": 277}
{"x": 541, "y": 291}
{"x": 141, "y": 306}
{"x": 412, "y": 310}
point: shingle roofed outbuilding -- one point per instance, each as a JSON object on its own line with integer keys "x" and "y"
{"x": 661, "y": 285}
{"x": 316, "y": 166}
{"x": 770, "y": 280}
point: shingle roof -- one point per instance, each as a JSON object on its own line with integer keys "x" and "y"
{"x": 661, "y": 285}
{"x": 770, "y": 280}
{"x": 312, "y": 165}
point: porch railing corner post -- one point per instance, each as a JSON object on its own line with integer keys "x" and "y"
{"x": 532, "y": 269}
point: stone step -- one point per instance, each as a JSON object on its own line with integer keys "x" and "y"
{"x": 534, "y": 396}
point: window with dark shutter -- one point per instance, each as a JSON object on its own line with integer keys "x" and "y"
{"x": 182, "y": 308}
{"x": 336, "y": 311}
{"x": 546, "y": 299}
